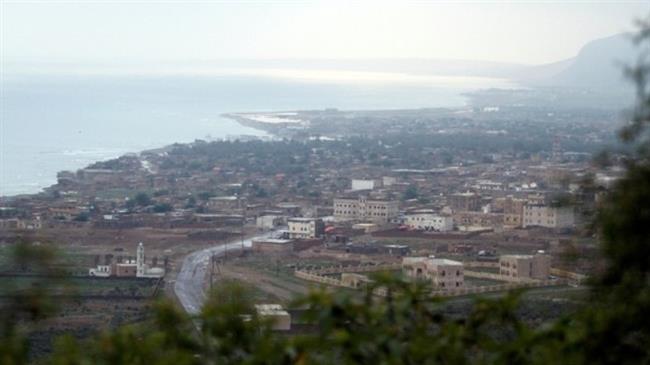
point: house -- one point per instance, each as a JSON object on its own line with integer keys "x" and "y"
{"x": 443, "y": 273}
{"x": 304, "y": 228}
{"x": 525, "y": 266}
{"x": 269, "y": 220}
{"x": 272, "y": 245}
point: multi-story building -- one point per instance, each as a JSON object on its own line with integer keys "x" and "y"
{"x": 512, "y": 208}
{"x": 547, "y": 216}
{"x": 365, "y": 209}
{"x": 302, "y": 228}
{"x": 525, "y": 266}
{"x": 428, "y": 220}
{"x": 464, "y": 202}
{"x": 443, "y": 273}
{"x": 470, "y": 220}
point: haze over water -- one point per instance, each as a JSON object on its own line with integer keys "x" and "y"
{"x": 53, "y": 123}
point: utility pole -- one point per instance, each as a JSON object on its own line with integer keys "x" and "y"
{"x": 243, "y": 223}
{"x": 211, "y": 270}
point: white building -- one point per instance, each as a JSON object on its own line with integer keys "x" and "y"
{"x": 428, "y": 220}
{"x": 139, "y": 268}
{"x": 375, "y": 210}
{"x": 144, "y": 271}
{"x": 443, "y": 273}
{"x": 388, "y": 180}
{"x": 102, "y": 271}
{"x": 280, "y": 319}
{"x": 358, "y": 184}
{"x": 302, "y": 228}
{"x": 546, "y": 216}
{"x": 269, "y": 221}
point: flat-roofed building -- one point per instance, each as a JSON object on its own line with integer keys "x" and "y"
{"x": 280, "y": 318}
{"x": 226, "y": 203}
{"x": 428, "y": 220}
{"x": 538, "y": 215}
{"x": 269, "y": 220}
{"x": 365, "y": 209}
{"x": 443, "y": 273}
{"x": 525, "y": 266}
{"x": 464, "y": 202}
{"x": 272, "y": 245}
{"x": 303, "y": 228}
{"x": 359, "y": 184}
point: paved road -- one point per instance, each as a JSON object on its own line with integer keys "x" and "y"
{"x": 190, "y": 279}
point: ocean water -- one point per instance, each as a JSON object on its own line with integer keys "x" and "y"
{"x": 51, "y": 123}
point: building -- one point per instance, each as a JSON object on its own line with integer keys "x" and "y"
{"x": 355, "y": 280}
{"x": 272, "y": 245}
{"x": 358, "y": 184}
{"x": 525, "y": 266}
{"x": 364, "y": 209}
{"x": 138, "y": 268}
{"x": 428, "y": 220}
{"x": 467, "y": 221}
{"x": 513, "y": 210}
{"x": 269, "y": 220}
{"x": 280, "y": 319}
{"x": 21, "y": 224}
{"x": 464, "y": 202}
{"x": 303, "y": 228}
{"x": 226, "y": 203}
{"x": 547, "y": 216}
{"x": 443, "y": 273}
{"x": 388, "y": 180}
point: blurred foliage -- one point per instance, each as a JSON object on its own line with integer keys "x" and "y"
{"x": 405, "y": 327}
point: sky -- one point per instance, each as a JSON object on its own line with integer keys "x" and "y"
{"x": 114, "y": 32}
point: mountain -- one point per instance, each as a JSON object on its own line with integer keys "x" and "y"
{"x": 598, "y": 66}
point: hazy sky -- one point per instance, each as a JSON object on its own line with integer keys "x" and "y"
{"x": 121, "y": 31}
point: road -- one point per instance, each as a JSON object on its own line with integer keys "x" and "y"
{"x": 189, "y": 286}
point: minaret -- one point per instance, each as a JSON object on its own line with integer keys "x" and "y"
{"x": 140, "y": 260}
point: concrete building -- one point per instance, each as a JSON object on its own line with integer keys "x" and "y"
{"x": 428, "y": 220}
{"x": 269, "y": 220}
{"x": 138, "y": 268}
{"x": 513, "y": 210}
{"x": 280, "y": 318}
{"x": 355, "y": 280}
{"x": 467, "y": 221}
{"x": 272, "y": 245}
{"x": 364, "y": 209}
{"x": 538, "y": 215}
{"x": 388, "y": 180}
{"x": 21, "y": 224}
{"x": 358, "y": 184}
{"x": 464, "y": 202}
{"x": 443, "y": 273}
{"x": 525, "y": 266}
{"x": 302, "y": 228}
{"x": 226, "y": 203}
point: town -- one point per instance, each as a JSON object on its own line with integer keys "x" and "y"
{"x": 467, "y": 200}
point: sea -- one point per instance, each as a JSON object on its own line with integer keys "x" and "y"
{"x": 55, "y": 122}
